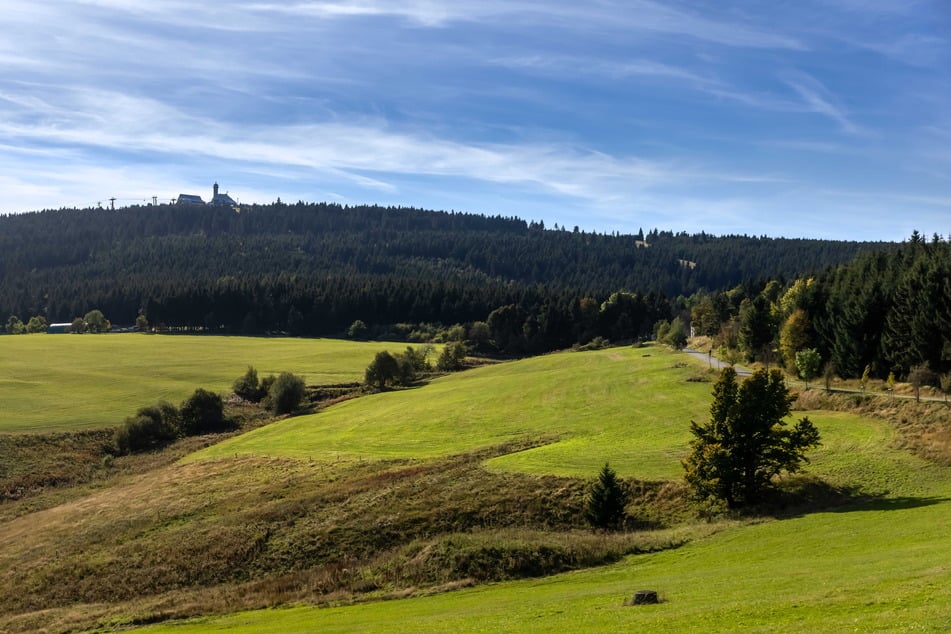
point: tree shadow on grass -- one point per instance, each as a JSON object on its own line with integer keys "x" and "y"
{"x": 881, "y": 503}
{"x": 804, "y": 495}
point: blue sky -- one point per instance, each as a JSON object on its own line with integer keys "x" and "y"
{"x": 815, "y": 118}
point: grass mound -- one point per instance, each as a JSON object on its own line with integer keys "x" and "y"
{"x": 630, "y": 407}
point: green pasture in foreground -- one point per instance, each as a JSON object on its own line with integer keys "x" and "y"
{"x": 883, "y": 565}
{"x": 886, "y": 568}
{"x": 57, "y": 382}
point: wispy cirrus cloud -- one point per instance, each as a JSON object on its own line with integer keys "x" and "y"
{"x": 579, "y": 112}
{"x": 818, "y": 99}
{"x": 646, "y": 16}
{"x": 368, "y": 153}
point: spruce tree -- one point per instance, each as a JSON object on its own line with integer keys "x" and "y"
{"x": 606, "y": 500}
{"x": 735, "y": 456}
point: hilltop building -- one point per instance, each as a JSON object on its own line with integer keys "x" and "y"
{"x": 189, "y": 199}
{"x": 221, "y": 199}
{"x": 216, "y": 199}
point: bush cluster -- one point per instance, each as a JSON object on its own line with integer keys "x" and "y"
{"x": 402, "y": 368}
{"x": 157, "y": 425}
{"x": 282, "y": 394}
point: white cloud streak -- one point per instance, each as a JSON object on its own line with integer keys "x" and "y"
{"x": 819, "y": 100}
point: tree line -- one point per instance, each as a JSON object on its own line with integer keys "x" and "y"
{"x": 887, "y": 312}
{"x": 314, "y": 269}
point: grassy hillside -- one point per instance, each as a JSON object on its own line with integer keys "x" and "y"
{"x": 479, "y": 477}
{"x": 628, "y": 406}
{"x": 79, "y": 382}
{"x": 882, "y": 564}
{"x": 882, "y": 568}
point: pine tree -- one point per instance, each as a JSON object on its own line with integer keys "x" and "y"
{"x": 606, "y": 500}
{"x": 746, "y": 443}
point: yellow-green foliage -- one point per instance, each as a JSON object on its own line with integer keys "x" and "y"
{"x": 51, "y": 382}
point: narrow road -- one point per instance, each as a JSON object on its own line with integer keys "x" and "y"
{"x": 713, "y": 362}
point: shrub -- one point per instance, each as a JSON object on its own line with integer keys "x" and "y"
{"x": 919, "y": 377}
{"x": 286, "y": 393}
{"x": 150, "y": 428}
{"x": 248, "y": 387}
{"x": 202, "y": 412}
{"x": 452, "y": 357}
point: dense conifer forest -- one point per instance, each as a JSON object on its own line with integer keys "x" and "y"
{"x": 314, "y": 269}
{"x": 887, "y": 312}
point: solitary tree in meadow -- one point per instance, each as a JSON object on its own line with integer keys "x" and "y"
{"x": 746, "y": 443}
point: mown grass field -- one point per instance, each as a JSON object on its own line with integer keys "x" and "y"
{"x": 882, "y": 564}
{"x": 60, "y": 382}
{"x": 881, "y": 569}
{"x": 306, "y": 495}
{"x": 629, "y": 407}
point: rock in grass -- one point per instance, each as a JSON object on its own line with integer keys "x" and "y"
{"x": 644, "y": 597}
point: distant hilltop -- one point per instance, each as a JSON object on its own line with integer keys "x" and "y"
{"x": 216, "y": 199}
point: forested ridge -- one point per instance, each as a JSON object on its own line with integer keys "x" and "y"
{"x": 313, "y": 269}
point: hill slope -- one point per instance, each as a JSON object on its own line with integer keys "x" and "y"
{"x": 339, "y": 506}
{"x": 315, "y": 268}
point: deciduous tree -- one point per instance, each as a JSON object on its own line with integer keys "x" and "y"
{"x": 15, "y": 326}
{"x": 808, "y": 363}
{"x": 96, "y": 321}
{"x": 382, "y": 370}
{"x": 36, "y": 324}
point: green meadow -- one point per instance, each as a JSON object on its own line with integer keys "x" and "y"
{"x": 885, "y": 568}
{"x": 880, "y": 564}
{"x": 630, "y": 407}
{"x": 60, "y": 382}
